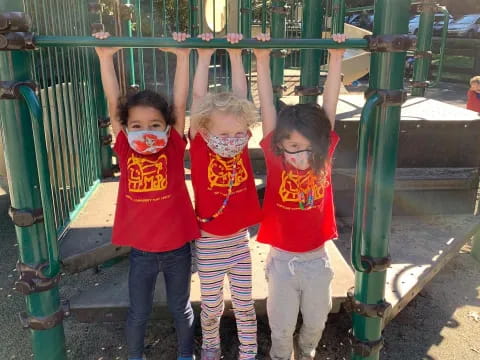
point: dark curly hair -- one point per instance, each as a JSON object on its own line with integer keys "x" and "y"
{"x": 311, "y": 121}
{"x": 147, "y": 98}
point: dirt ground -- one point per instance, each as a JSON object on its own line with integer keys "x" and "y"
{"x": 442, "y": 323}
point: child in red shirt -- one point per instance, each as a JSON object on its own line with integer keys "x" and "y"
{"x": 298, "y": 211}
{"x": 226, "y": 201}
{"x": 473, "y": 94}
{"x": 154, "y": 214}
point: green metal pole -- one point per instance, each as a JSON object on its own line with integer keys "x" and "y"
{"x": 246, "y": 30}
{"x": 25, "y": 194}
{"x": 310, "y": 59}
{"x": 386, "y": 73}
{"x": 443, "y": 45}
{"x": 424, "y": 46}
{"x": 154, "y": 42}
{"x": 127, "y": 29}
{"x": 338, "y": 17}
{"x": 277, "y": 31}
{"x": 476, "y": 246}
{"x": 106, "y": 152}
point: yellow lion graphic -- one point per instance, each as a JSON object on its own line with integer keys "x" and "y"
{"x": 294, "y": 184}
{"x": 147, "y": 175}
{"x": 220, "y": 171}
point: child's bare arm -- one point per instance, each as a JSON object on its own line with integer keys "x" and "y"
{"x": 265, "y": 90}
{"x": 200, "y": 80}
{"x": 334, "y": 79}
{"x": 239, "y": 80}
{"x": 181, "y": 82}
{"x": 109, "y": 81}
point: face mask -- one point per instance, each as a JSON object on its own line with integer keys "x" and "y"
{"x": 148, "y": 142}
{"x": 226, "y": 146}
{"x": 298, "y": 159}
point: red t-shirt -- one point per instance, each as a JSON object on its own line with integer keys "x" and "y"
{"x": 473, "y": 102}
{"x": 154, "y": 212}
{"x": 285, "y": 225}
{"x": 211, "y": 175}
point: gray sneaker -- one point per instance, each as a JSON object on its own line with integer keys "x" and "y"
{"x": 211, "y": 354}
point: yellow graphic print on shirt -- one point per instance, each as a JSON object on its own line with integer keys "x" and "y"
{"x": 145, "y": 175}
{"x": 294, "y": 184}
{"x": 220, "y": 171}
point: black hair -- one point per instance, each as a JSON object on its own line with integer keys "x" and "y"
{"x": 311, "y": 121}
{"x": 147, "y": 98}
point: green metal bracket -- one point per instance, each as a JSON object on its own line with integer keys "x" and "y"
{"x": 16, "y": 41}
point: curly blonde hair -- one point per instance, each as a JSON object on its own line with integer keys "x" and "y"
{"x": 224, "y": 102}
{"x": 475, "y": 79}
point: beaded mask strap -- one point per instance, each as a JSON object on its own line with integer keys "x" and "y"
{"x": 227, "y": 198}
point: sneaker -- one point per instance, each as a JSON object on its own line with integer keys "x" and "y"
{"x": 211, "y": 354}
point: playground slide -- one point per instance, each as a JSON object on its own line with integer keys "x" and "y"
{"x": 356, "y": 63}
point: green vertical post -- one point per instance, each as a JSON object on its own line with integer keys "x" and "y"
{"x": 338, "y": 17}
{"x": 379, "y": 131}
{"x": 25, "y": 193}
{"x": 423, "y": 56}
{"x": 106, "y": 152}
{"x": 476, "y": 246}
{"x": 310, "y": 59}
{"x": 277, "y": 30}
{"x": 127, "y": 29}
{"x": 246, "y": 30}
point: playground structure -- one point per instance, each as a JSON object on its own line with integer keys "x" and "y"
{"x": 58, "y": 151}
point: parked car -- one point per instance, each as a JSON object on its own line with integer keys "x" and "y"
{"x": 467, "y": 26}
{"x": 414, "y": 24}
{"x": 438, "y": 25}
{"x": 362, "y": 20}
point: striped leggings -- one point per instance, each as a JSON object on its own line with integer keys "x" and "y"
{"x": 217, "y": 257}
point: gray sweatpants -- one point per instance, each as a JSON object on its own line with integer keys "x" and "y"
{"x": 297, "y": 281}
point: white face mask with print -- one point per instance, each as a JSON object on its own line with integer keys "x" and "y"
{"x": 298, "y": 159}
{"x": 147, "y": 142}
{"x": 227, "y": 147}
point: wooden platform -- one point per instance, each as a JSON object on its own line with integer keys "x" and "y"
{"x": 420, "y": 247}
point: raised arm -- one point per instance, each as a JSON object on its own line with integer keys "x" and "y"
{"x": 239, "y": 80}
{"x": 265, "y": 90}
{"x": 109, "y": 81}
{"x": 200, "y": 80}
{"x": 181, "y": 82}
{"x": 334, "y": 80}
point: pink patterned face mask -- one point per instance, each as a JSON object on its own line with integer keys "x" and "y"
{"x": 298, "y": 159}
{"x": 227, "y": 147}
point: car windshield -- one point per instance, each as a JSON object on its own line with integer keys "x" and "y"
{"x": 468, "y": 19}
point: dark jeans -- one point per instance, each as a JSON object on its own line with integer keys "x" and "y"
{"x": 144, "y": 268}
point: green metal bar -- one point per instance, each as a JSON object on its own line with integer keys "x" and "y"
{"x": 386, "y": 73}
{"x": 42, "y": 53}
{"x": 25, "y": 194}
{"x": 141, "y": 66}
{"x": 127, "y": 28}
{"x": 364, "y": 140}
{"x": 476, "y": 246}
{"x": 277, "y": 32}
{"x": 44, "y": 178}
{"x": 421, "y": 67}
{"x": 88, "y": 41}
{"x": 264, "y": 16}
{"x": 338, "y": 17}
{"x": 246, "y": 30}
{"x": 310, "y": 59}
{"x": 443, "y": 45}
